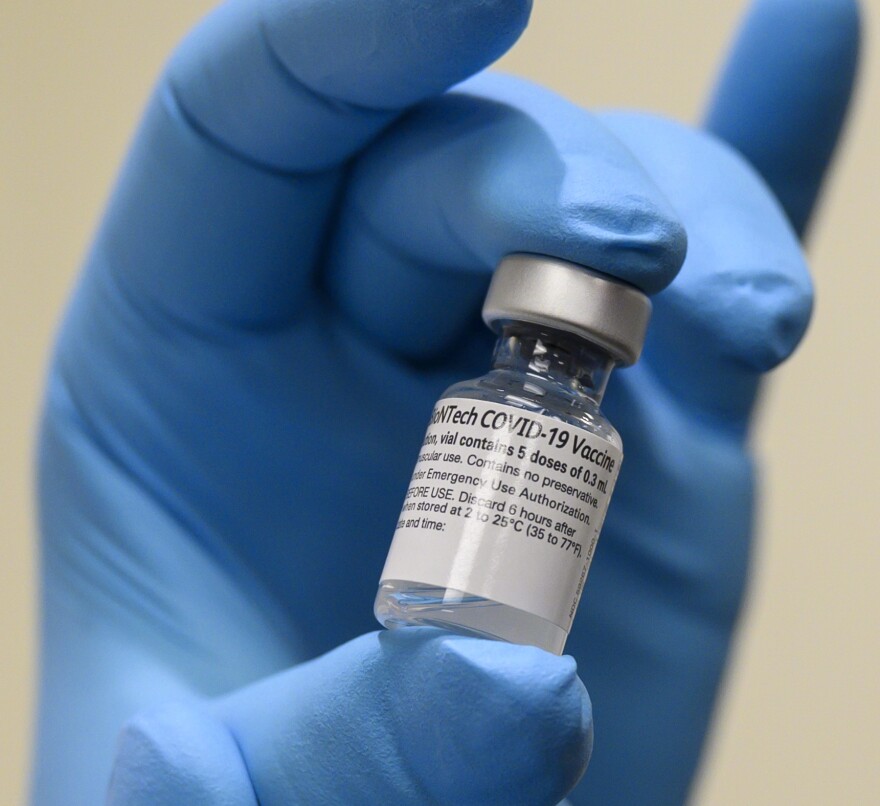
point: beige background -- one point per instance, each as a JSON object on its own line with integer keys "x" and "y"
{"x": 800, "y": 722}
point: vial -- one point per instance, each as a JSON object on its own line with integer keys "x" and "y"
{"x": 513, "y": 479}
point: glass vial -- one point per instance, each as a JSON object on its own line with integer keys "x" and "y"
{"x": 513, "y": 479}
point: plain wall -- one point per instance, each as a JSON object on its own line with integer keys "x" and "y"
{"x": 800, "y": 720}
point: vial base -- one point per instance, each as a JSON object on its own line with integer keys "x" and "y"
{"x": 402, "y": 603}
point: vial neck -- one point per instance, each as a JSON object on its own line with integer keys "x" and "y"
{"x": 568, "y": 363}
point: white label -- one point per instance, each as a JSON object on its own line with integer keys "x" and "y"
{"x": 504, "y": 504}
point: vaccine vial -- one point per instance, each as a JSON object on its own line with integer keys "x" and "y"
{"x": 513, "y": 479}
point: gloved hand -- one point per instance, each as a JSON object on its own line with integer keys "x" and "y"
{"x": 288, "y": 274}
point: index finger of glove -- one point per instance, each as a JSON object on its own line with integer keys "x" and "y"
{"x": 783, "y": 93}
{"x": 222, "y": 206}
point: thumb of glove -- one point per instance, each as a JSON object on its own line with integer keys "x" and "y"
{"x": 412, "y": 716}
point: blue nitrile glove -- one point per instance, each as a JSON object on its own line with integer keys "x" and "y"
{"x": 288, "y": 274}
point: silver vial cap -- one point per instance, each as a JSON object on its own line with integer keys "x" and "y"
{"x": 566, "y": 296}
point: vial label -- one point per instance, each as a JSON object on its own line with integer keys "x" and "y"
{"x": 504, "y": 504}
